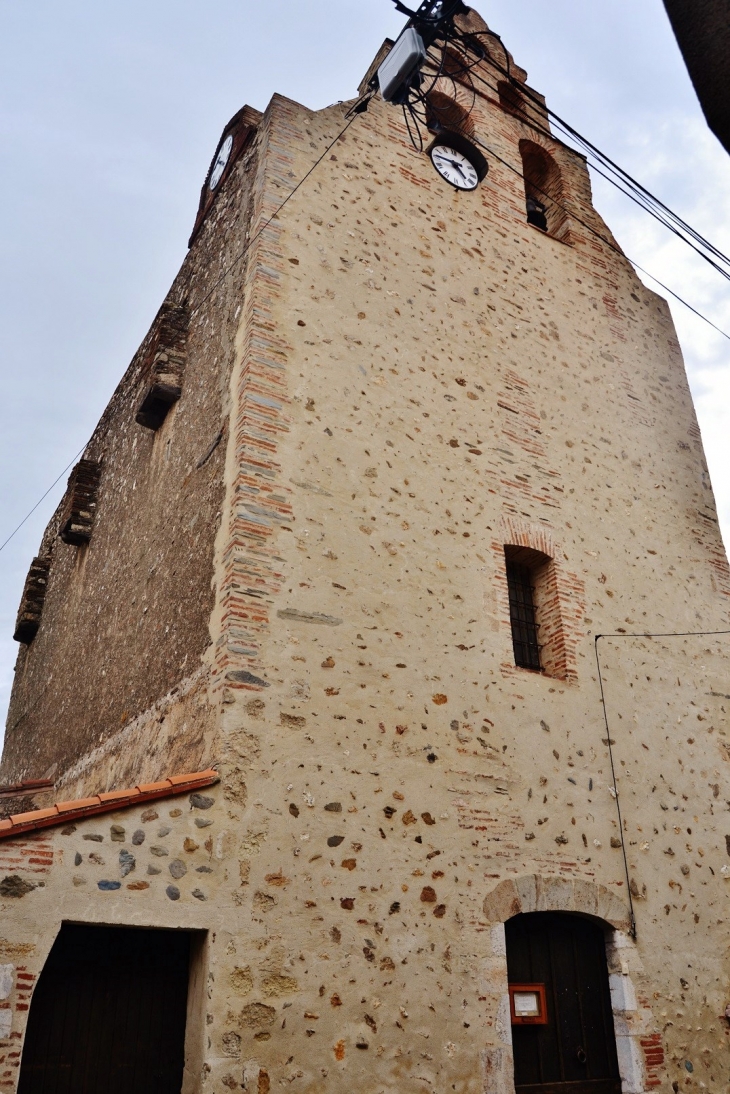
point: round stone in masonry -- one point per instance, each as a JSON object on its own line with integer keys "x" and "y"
{"x": 138, "y": 837}
{"x": 127, "y": 862}
{"x": 178, "y": 868}
{"x": 201, "y": 801}
{"x": 173, "y": 892}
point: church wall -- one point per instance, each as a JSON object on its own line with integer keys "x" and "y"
{"x": 125, "y": 621}
{"x": 457, "y": 381}
{"x": 421, "y": 379}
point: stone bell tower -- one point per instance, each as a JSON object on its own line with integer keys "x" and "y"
{"x": 392, "y": 457}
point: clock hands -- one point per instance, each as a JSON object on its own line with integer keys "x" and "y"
{"x": 453, "y": 163}
{"x": 455, "y": 167}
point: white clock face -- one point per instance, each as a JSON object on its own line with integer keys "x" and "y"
{"x": 454, "y": 167}
{"x": 221, "y": 160}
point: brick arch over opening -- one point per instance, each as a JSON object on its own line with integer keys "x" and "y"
{"x": 538, "y": 537}
{"x": 446, "y": 112}
{"x": 451, "y": 106}
{"x": 533, "y": 893}
{"x": 544, "y": 183}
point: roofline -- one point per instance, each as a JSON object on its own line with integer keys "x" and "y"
{"x": 30, "y": 786}
{"x": 63, "y": 812}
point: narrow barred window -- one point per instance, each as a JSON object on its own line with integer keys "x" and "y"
{"x": 522, "y": 610}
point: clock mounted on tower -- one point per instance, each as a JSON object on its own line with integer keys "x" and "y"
{"x": 234, "y": 139}
{"x": 457, "y": 160}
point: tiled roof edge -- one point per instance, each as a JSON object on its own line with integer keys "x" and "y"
{"x": 65, "y": 812}
{"x": 27, "y": 786}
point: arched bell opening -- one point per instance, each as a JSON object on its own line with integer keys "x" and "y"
{"x": 446, "y": 114}
{"x": 511, "y": 100}
{"x": 544, "y": 191}
{"x": 563, "y": 1033}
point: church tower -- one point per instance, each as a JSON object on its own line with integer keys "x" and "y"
{"x": 369, "y": 731}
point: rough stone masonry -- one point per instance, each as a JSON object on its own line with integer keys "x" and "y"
{"x": 296, "y": 574}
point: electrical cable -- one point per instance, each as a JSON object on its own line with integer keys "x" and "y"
{"x": 605, "y": 167}
{"x": 632, "y": 932}
{"x": 351, "y": 114}
{"x": 242, "y": 254}
{"x": 626, "y": 184}
{"x": 631, "y": 189}
{"x": 669, "y": 634}
{"x": 614, "y": 247}
{"x": 40, "y": 499}
{"x": 636, "y": 191}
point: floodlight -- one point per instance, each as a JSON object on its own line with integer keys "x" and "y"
{"x": 404, "y": 58}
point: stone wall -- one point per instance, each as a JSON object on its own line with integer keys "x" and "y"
{"x": 125, "y": 619}
{"x": 457, "y": 381}
{"x": 419, "y": 379}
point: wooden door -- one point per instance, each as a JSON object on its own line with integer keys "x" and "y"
{"x": 108, "y": 1014}
{"x": 575, "y": 1051}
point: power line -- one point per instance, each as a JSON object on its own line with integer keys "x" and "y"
{"x": 40, "y": 499}
{"x": 358, "y": 108}
{"x": 609, "y": 741}
{"x": 242, "y": 254}
{"x": 609, "y": 243}
{"x": 623, "y": 181}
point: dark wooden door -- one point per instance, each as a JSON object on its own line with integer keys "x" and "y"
{"x": 108, "y": 1014}
{"x": 575, "y": 1052}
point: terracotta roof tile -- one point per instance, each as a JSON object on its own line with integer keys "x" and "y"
{"x": 29, "y": 786}
{"x": 79, "y": 803}
{"x": 38, "y": 814}
{"x": 122, "y": 795}
{"x": 63, "y": 812}
{"x": 152, "y": 788}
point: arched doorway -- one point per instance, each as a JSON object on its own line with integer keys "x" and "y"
{"x": 108, "y": 1014}
{"x": 562, "y": 1022}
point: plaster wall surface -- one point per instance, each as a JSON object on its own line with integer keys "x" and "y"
{"x": 419, "y": 379}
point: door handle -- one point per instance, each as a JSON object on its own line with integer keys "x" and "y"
{"x": 581, "y": 1055}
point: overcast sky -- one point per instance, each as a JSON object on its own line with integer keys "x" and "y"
{"x": 109, "y": 115}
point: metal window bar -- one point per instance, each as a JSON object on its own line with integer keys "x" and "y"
{"x": 522, "y": 617}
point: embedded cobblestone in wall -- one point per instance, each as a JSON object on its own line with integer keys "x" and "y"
{"x": 419, "y": 378}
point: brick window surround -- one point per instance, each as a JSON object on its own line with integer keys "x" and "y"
{"x": 527, "y": 572}
{"x": 559, "y": 598}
